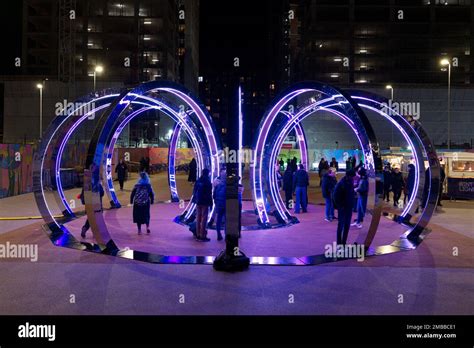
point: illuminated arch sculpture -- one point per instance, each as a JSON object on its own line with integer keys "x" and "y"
{"x": 423, "y": 197}
{"x": 122, "y": 107}
{"x": 310, "y": 98}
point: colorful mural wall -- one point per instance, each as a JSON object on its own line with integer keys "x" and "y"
{"x": 16, "y": 169}
{"x": 158, "y": 155}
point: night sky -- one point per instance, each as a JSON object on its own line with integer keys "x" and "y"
{"x": 232, "y": 29}
{"x": 10, "y": 27}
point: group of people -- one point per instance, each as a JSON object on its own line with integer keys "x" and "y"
{"x": 205, "y": 194}
{"x": 348, "y": 195}
{"x": 323, "y": 168}
{"x": 393, "y": 181}
{"x": 295, "y": 182}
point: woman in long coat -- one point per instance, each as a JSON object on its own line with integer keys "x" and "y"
{"x": 192, "y": 176}
{"x": 142, "y": 197}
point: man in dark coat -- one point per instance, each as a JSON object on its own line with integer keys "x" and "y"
{"x": 397, "y": 185}
{"x": 387, "y": 183}
{"x": 329, "y": 183}
{"x": 121, "y": 170}
{"x": 281, "y": 163}
{"x": 219, "y": 196}
{"x": 442, "y": 178}
{"x": 362, "y": 191}
{"x": 192, "y": 171}
{"x": 294, "y": 164}
{"x": 288, "y": 186}
{"x": 410, "y": 180}
{"x": 343, "y": 198}
{"x": 300, "y": 186}
{"x": 334, "y": 164}
{"x": 202, "y": 197}
{"x": 142, "y": 164}
{"x": 321, "y": 170}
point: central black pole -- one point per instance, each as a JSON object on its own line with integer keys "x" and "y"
{"x": 232, "y": 258}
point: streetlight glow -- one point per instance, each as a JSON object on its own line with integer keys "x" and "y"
{"x": 39, "y": 86}
{"x": 444, "y": 62}
{"x": 388, "y": 87}
{"x": 97, "y": 69}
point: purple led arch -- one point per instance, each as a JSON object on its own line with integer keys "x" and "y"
{"x": 177, "y": 117}
{"x": 99, "y": 159}
{"x": 298, "y": 118}
{"x": 268, "y": 145}
{"x": 172, "y": 163}
{"x": 109, "y": 180}
{"x": 39, "y": 188}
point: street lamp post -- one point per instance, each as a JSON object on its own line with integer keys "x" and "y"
{"x": 446, "y": 62}
{"x": 390, "y": 87}
{"x": 40, "y": 87}
{"x": 97, "y": 69}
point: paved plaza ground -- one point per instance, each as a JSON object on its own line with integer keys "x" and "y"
{"x": 431, "y": 279}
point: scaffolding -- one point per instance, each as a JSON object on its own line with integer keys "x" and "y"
{"x": 66, "y": 42}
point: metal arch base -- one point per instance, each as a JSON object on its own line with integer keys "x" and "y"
{"x": 69, "y": 241}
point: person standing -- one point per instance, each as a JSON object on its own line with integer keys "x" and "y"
{"x": 142, "y": 197}
{"x": 142, "y": 164}
{"x": 282, "y": 163}
{"x": 442, "y": 178}
{"x": 288, "y": 186}
{"x": 147, "y": 165}
{"x": 355, "y": 185}
{"x": 343, "y": 200}
{"x": 334, "y": 164}
{"x": 202, "y": 197}
{"x": 192, "y": 171}
{"x": 387, "y": 183}
{"x": 362, "y": 191}
{"x": 219, "y": 196}
{"x": 121, "y": 171}
{"x": 397, "y": 185}
{"x": 329, "y": 183}
{"x": 294, "y": 165}
{"x": 300, "y": 185}
{"x": 410, "y": 182}
{"x": 348, "y": 163}
{"x": 321, "y": 170}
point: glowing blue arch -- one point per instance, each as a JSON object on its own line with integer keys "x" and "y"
{"x": 48, "y": 158}
{"x": 277, "y": 122}
{"x": 167, "y": 97}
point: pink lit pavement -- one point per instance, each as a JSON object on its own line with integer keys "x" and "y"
{"x": 431, "y": 278}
